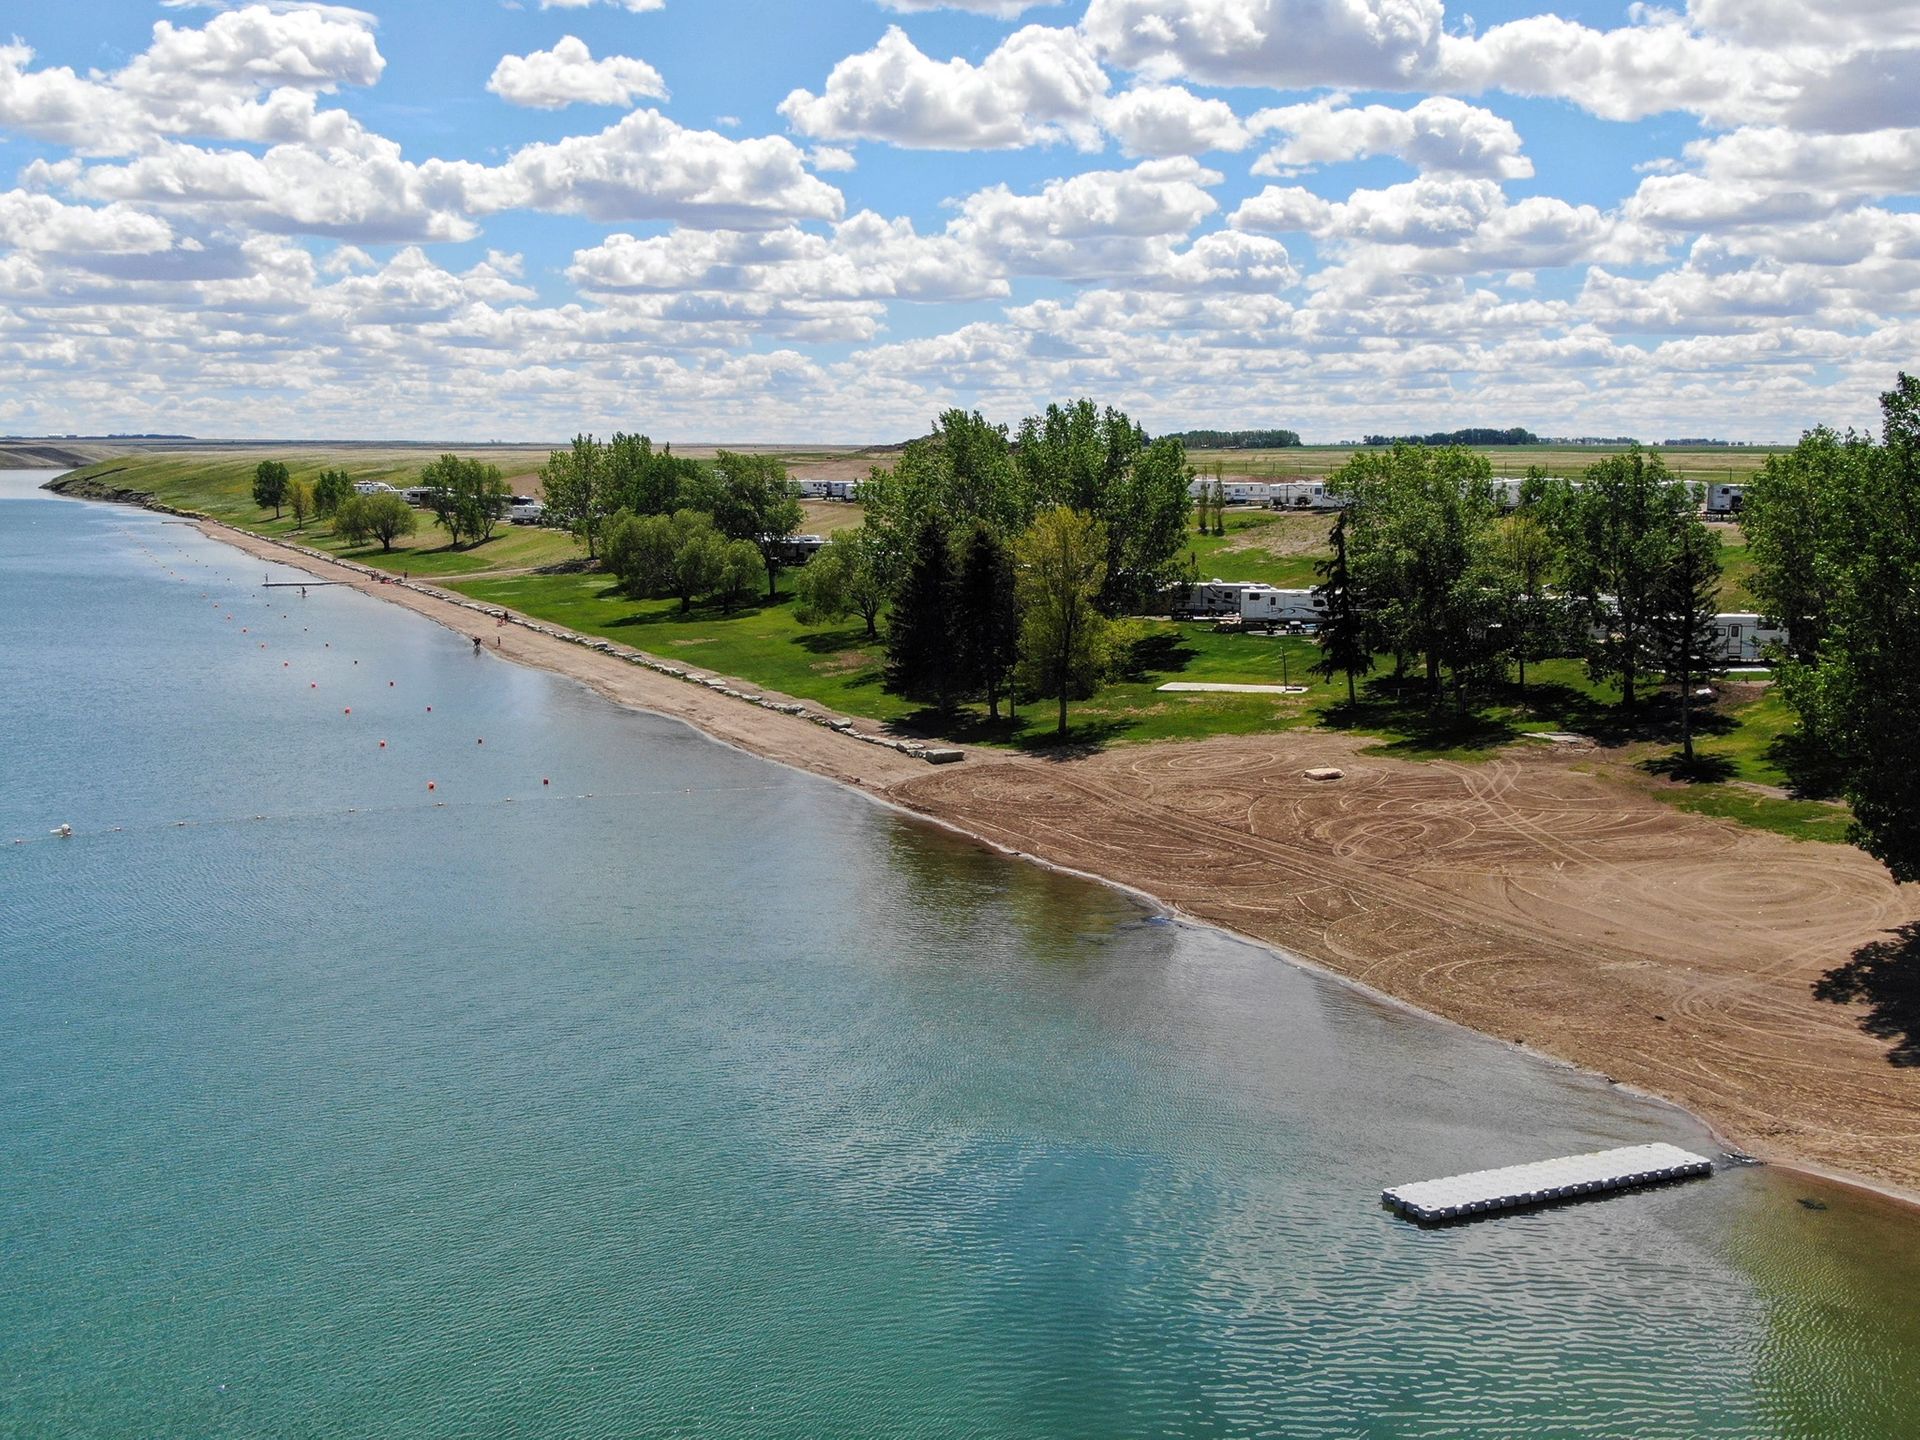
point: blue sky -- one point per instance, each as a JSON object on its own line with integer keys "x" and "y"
{"x": 725, "y": 220}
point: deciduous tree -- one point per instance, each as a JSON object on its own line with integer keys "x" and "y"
{"x": 1062, "y": 567}
{"x": 270, "y": 481}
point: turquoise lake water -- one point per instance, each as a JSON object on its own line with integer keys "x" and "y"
{"x": 686, "y": 1095}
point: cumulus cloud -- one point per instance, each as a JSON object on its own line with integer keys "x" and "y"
{"x": 1039, "y": 85}
{"x": 998, "y": 9}
{"x": 569, "y": 75}
{"x": 1286, "y": 44}
{"x": 635, "y": 7}
{"x": 1439, "y": 135}
{"x": 249, "y": 75}
{"x": 1164, "y": 120}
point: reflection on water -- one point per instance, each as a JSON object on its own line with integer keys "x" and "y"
{"x": 722, "y": 1102}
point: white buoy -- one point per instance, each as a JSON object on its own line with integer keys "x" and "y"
{"x": 65, "y": 832}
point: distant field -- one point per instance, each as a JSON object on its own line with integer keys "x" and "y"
{"x": 1314, "y": 462}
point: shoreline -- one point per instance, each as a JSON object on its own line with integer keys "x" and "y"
{"x": 868, "y": 763}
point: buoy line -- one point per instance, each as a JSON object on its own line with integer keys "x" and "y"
{"x": 67, "y": 833}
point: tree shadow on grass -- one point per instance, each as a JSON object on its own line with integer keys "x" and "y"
{"x": 1083, "y": 738}
{"x": 1700, "y": 770}
{"x": 965, "y": 727}
{"x": 1416, "y": 725}
{"x": 1159, "y": 652}
{"x": 1885, "y": 976}
{"x": 1811, "y": 770}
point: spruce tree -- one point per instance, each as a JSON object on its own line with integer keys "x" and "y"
{"x": 986, "y": 616}
{"x": 1345, "y": 646}
{"x": 920, "y": 631}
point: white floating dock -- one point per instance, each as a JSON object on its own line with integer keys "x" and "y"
{"x": 1544, "y": 1182}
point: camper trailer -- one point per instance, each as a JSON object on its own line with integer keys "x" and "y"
{"x": 1303, "y": 495}
{"x": 1724, "y": 501}
{"x": 1267, "y": 605}
{"x": 1238, "y": 492}
{"x": 829, "y": 489}
{"x": 1216, "y": 597}
{"x": 798, "y": 549}
{"x": 525, "y": 510}
{"x": 1745, "y": 637}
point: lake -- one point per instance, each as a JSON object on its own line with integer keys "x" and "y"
{"x": 550, "y": 1069}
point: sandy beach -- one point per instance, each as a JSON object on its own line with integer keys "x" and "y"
{"x": 1552, "y": 908}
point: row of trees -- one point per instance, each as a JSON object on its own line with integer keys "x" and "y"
{"x": 683, "y": 554}
{"x": 1833, "y": 530}
{"x": 1000, "y": 559}
{"x": 1427, "y": 567}
{"x": 594, "y": 485}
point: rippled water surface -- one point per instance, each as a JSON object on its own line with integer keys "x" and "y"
{"x": 688, "y": 1095}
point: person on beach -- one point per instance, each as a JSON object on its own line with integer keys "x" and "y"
{"x": 476, "y": 644}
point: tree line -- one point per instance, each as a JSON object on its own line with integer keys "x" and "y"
{"x": 1428, "y": 568}
{"x": 1470, "y": 436}
{"x": 1237, "y": 439}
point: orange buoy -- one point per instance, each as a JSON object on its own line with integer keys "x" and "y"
{"x": 429, "y": 709}
{"x": 546, "y": 782}
{"x": 347, "y": 711}
{"x": 430, "y": 785}
{"x": 383, "y": 744}
{"x": 313, "y": 685}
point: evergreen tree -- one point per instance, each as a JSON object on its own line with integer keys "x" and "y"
{"x": 986, "y": 616}
{"x": 1345, "y": 646}
{"x": 1683, "y": 618}
{"x": 920, "y": 631}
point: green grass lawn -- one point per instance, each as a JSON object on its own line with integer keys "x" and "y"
{"x": 1270, "y": 547}
{"x": 222, "y": 487}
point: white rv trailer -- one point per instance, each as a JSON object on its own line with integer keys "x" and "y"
{"x": 1745, "y": 636}
{"x": 525, "y": 510}
{"x": 1238, "y": 492}
{"x": 829, "y": 489}
{"x": 1267, "y": 605}
{"x": 1303, "y": 495}
{"x": 374, "y": 487}
{"x": 1217, "y": 597}
{"x": 1725, "y": 501}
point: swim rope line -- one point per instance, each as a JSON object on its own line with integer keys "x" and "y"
{"x": 64, "y": 834}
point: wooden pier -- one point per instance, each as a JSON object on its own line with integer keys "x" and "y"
{"x": 1544, "y": 1182}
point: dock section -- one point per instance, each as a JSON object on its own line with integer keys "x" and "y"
{"x": 1545, "y": 1182}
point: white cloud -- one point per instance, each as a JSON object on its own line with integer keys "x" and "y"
{"x": 569, "y": 75}
{"x": 1040, "y": 85}
{"x": 998, "y": 9}
{"x": 645, "y": 167}
{"x": 636, "y": 7}
{"x": 1171, "y": 120}
{"x": 42, "y": 224}
{"x": 1287, "y": 44}
{"x": 1101, "y": 223}
{"x": 1439, "y": 135}
{"x": 1448, "y": 225}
